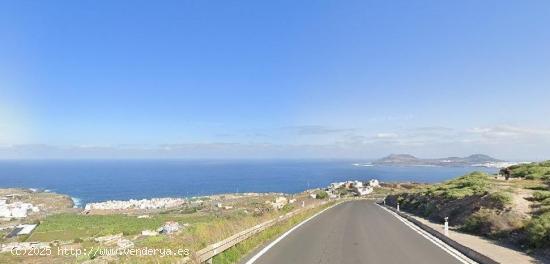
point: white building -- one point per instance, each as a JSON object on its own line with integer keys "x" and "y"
{"x": 357, "y": 184}
{"x": 155, "y": 203}
{"x": 16, "y": 210}
{"x": 5, "y": 212}
{"x": 361, "y": 191}
{"x": 19, "y": 212}
{"x": 374, "y": 183}
{"x": 25, "y": 229}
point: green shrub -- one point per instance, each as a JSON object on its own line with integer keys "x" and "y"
{"x": 401, "y": 199}
{"x": 501, "y": 199}
{"x": 287, "y": 208}
{"x": 493, "y": 223}
{"x": 475, "y": 183}
{"x": 537, "y": 188}
{"x": 544, "y": 208}
{"x": 477, "y": 223}
{"x": 538, "y": 231}
{"x": 321, "y": 195}
{"x": 534, "y": 170}
{"x": 541, "y": 195}
{"x": 429, "y": 209}
{"x": 545, "y": 201}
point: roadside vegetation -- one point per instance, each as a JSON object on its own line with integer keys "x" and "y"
{"x": 236, "y": 253}
{"x": 200, "y": 225}
{"x": 531, "y": 171}
{"x": 514, "y": 211}
{"x": 321, "y": 195}
{"x": 475, "y": 183}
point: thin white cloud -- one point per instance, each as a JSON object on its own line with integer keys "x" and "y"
{"x": 501, "y": 141}
{"x": 509, "y": 131}
{"x": 387, "y": 135}
{"x": 317, "y": 130}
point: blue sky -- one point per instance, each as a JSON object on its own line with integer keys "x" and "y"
{"x": 274, "y": 79}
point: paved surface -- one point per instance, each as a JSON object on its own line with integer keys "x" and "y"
{"x": 489, "y": 248}
{"x": 355, "y": 232}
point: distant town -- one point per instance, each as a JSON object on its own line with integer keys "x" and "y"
{"x": 23, "y": 210}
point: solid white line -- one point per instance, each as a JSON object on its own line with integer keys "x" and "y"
{"x": 264, "y": 250}
{"x": 452, "y": 251}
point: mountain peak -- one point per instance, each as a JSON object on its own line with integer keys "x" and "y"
{"x": 481, "y": 158}
{"x": 393, "y": 158}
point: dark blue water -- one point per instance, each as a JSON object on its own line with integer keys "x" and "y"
{"x": 100, "y": 180}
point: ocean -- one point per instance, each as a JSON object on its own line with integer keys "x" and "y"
{"x": 100, "y": 180}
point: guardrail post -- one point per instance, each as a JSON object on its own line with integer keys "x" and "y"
{"x": 446, "y": 226}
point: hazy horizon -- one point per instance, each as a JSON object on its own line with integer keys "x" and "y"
{"x": 112, "y": 155}
{"x": 274, "y": 80}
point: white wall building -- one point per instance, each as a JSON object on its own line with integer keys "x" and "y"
{"x": 374, "y": 183}
{"x": 363, "y": 190}
{"x": 16, "y": 210}
{"x": 26, "y": 229}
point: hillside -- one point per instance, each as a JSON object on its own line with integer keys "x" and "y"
{"x": 531, "y": 171}
{"x": 410, "y": 160}
{"x": 515, "y": 211}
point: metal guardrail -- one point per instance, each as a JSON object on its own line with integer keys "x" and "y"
{"x": 206, "y": 254}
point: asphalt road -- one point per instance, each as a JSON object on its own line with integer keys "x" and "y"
{"x": 355, "y": 232}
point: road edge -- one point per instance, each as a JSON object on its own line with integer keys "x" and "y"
{"x": 468, "y": 252}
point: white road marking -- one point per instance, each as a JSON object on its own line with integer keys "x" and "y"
{"x": 264, "y": 250}
{"x": 452, "y": 251}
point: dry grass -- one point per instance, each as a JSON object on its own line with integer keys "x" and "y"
{"x": 207, "y": 225}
